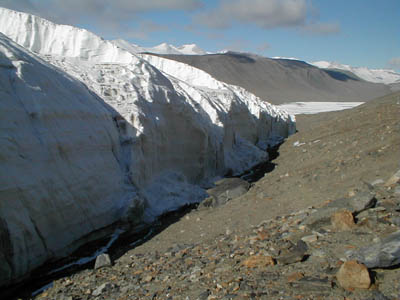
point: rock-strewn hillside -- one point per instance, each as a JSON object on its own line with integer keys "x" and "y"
{"x": 333, "y": 198}
{"x": 282, "y": 80}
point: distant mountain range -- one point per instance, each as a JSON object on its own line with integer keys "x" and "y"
{"x": 284, "y": 80}
{"x": 385, "y": 76}
{"x": 164, "y": 48}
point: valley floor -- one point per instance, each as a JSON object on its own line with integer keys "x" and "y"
{"x": 264, "y": 244}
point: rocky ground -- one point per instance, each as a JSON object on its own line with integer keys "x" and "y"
{"x": 324, "y": 224}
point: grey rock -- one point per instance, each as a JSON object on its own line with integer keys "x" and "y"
{"x": 226, "y": 190}
{"x": 381, "y": 255}
{"x": 394, "y": 179}
{"x": 204, "y": 295}
{"x": 377, "y": 182}
{"x": 294, "y": 254}
{"x": 308, "y": 284}
{"x": 103, "y": 260}
{"x": 321, "y": 217}
{"x": 362, "y": 201}
{"x": 356, "y": 204}
{"x": 397, "y": 190}
{"x": 395, "y": 221}
{"x": 376, "y": 295}
{"x": 63, "y": 297}
{"x": 101, "y": 289}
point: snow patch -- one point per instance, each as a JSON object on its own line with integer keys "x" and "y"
{"x": 297, "y": 108}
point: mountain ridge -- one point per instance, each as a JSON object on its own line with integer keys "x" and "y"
{"x": 283, "y": 80}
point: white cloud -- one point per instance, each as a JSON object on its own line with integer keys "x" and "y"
{"x": 144, "y": 29}
{"x": 394, "y": 63}
{"x": 321, "y": 28}
{"x": 263, "y": 13}
{"x": 109, "y": 16}
{"x": 267, "y": 14}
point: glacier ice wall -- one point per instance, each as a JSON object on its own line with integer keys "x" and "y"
{"x": 60, "y": 174}
{"x": 161, "y": 132}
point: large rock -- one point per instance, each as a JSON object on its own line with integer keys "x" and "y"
{"x": 355, "y": 204}
{"x": 343, "y": 220}
{"x": 353, "y": 275}
{"x": 226, "y": 190}
{"x": 383, "y": 254}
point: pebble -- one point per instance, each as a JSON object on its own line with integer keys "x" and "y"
{"x": 310, "y": 238}
{"x": 98, "y": 291}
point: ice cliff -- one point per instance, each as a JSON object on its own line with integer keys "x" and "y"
{"x": 60, "y": 175}
{"x": 120, "y": 133}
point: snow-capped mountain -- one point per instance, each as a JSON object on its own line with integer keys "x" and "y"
{"x": 191, "y": 49}
{"x": 159, "y": 128}
{"x": 164, "y": 48}
{"x": 385, "y": 76}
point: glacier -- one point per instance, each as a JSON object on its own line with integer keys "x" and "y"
{"x": 59, "y": 178}
{"x": 93, "y": 133}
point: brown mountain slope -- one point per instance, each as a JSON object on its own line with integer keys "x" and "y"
{"x": 280, "y": 80}
{"x": 342, "y": 149}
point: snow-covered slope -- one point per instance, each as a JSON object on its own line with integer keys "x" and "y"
{"x": 191, "y": 49}
{"x": 44, "y": 37}
{"x": 163, "y": 134}
{"x": 385, "y": 76}
{"x": 132, "y": 48}
{"x": 164, "y": 48}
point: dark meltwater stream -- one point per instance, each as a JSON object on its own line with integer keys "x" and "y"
{"x": 115, "y": 245}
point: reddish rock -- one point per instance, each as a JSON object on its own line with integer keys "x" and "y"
{"x": 258, "y": 261}
{"x": 343, "y": 220}
{"x": 295, "y": 276}
{"x": 353, "y": 275}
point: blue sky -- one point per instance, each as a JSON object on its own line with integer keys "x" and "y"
{"x": 354, "y": 32}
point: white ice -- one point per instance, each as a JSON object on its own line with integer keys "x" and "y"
{"x": 297, "y": 108}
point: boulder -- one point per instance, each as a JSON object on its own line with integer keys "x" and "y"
{"x": 383, "y": 254}
{"x": 103, "y": 260}
{"x": 343, "y": 220}
{"x": 226, "y": 189}
{"x": 353, "y": 275}
{"x": 259, "y": 261}
{"x": 295, "y": 253}
{"x": 357, "y": 203}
